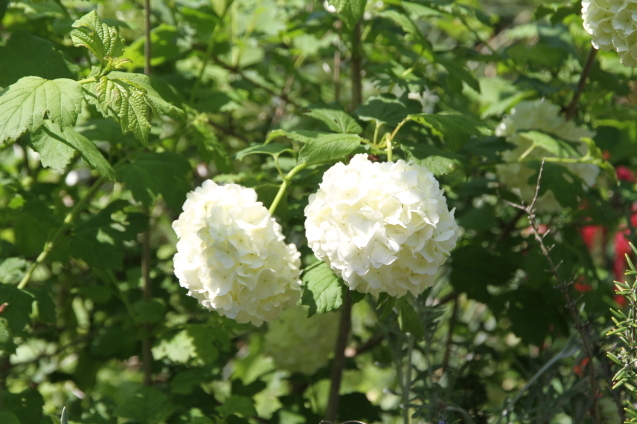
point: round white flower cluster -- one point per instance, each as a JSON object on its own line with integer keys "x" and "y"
{"x": 540, "y": 115}
{"x": 613, "y": 24}
{"x": 232, "y": 257}
{"x": 301, "y": 344}
{"x": 382, "y": 227}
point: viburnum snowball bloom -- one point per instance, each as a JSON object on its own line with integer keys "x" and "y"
{"x": 301, "y": 344}
{"x": 543, "y": 116}
{"x": 232, "y": 257}
{"x": 382, "y": 227}
{"x": 613, "y": 24}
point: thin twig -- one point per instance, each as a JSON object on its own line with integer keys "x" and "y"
{"x": 338, "y": 363}
{"x": 147, "y": 342}
{"x": 569, "y": 113}
{"x": 563, "y": 286}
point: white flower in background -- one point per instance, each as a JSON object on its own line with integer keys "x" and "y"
{"x": 427, "y": 99}
{"x": 613, "y": 25}
{"x": 539, "y": 115}
{"x": 301, "y": 344}
{"x": 382, "y": 227}
{"x": 232, "y": 257}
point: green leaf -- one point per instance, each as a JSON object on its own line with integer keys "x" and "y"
{"x": 24, "y": 105}
{"x": 45, "y": 306}
{"x": 149, "y": 175}
{"x": 303, "y": 136}
{"x": 57, "y": 147}
{"x": 237, "y": 405}
{"x": 387, "y": 111}
{"x": 408, "y": 319}
{"x": 458, "y": 73}
{"x": 158, "y": 92}
{"x": 149, "y": 312}
{"x": 102, "y": 40}
{"x": 272, "y": 149}
{"x": 8, "y": 418}
{"x": 26, "y": 405}
{"x": 126, "y": 101}
{"x": 336, "y": 120}
{"x": 148, "y": 406}
{"x": 18, "y": 307}
{"x": 323, "y": 290}
{"x": 351, "y": 10}
{"x": 328, "y": 148}
{"x": 27, "y": 55}
{"x": 12, "y": 270}
{"x": 439, "y": 162}
{"x": 455, "y": 130}
{"x": 197, "y": 343}
{"x": 551, "y": 144}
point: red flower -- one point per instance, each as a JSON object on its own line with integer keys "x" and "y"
{"x": 625, "y": 174}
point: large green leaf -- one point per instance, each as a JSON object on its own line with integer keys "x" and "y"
{"x": 25, "y": 104}
{"x": 126, "y": 101}
{"x": 408, "y": 319}
{"x": 328, "y": 148}
{"x": 323, "y": 290}
{"x": 303, "y": 136}
{"x": 147, "y": 406}
{"x": 455, "y": 130}
{"x": 57, "y": 147}
{"x": 438, "y": 161}
{"x": 351, "y": 10}
{"x": 237, "y": 405}
{"x": 384, "y": 110}
{"x": 27, "y": 55}
{"x": 102, "y": 40}
{"x": 19, "y": 306}
{"x": 26, "y": 405}
{"x": 11, "y": 270}
{"x": 159, "y": 93}
{"x": 336, "y": 120}
{"x": 152, "y": 174}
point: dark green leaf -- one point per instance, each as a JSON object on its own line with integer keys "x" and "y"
{"x": 7, "y": 417}
{"x": 328, "y": 148}
{"x": 408, "y": 319}
{"x": 351, "y": 10}
{"x": 455, "y": 130}
{"x": 323, "y": 290}
{"x": 149, "y": 312}
{"x": 438, "y": 161}
{"x": 18, "y": 307}
{"x": 27, "y": 55}
{"x": 387, "y": 111}
{"x": 336, "y": 120}
{"x": 148, "y": 406}
{"x": 24, "y": 105}
{"x": 303, "y": 136}
{"x": 237, "y": 405}
{"x": 26, "y": 405}
{"x": 152, "y": 174}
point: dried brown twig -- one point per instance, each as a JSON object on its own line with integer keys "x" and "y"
{"x": 563, "y": 286}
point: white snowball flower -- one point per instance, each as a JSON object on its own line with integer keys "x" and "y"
{"x": 382, "y": 227}
{"x": 613, "y": 25}
{"x": 301, "y": 344}
{"x": 232, "y": 257}
{"x": 540, "y": 115}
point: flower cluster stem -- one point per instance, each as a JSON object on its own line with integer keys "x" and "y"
{"x": 338, "y": 362}
{"x": 284, "y": 185}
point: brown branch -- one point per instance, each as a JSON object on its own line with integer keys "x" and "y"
{"x": 338, "y": 363}
{"x": 571, "y": 109}
{"x": 371, "y": 343}
{"x": 563, "y": 286}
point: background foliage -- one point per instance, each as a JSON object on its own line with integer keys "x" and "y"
{"x": 96, "y": 159}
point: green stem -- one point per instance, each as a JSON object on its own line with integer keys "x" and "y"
{"x": 389, "y": 150}
{"x": 284, "y": 185}
{"x": 398, "y": 127}
{"x": 407, "y": 381}
{"x": 377, "y": 130}
{"x": 68, "y": 220}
